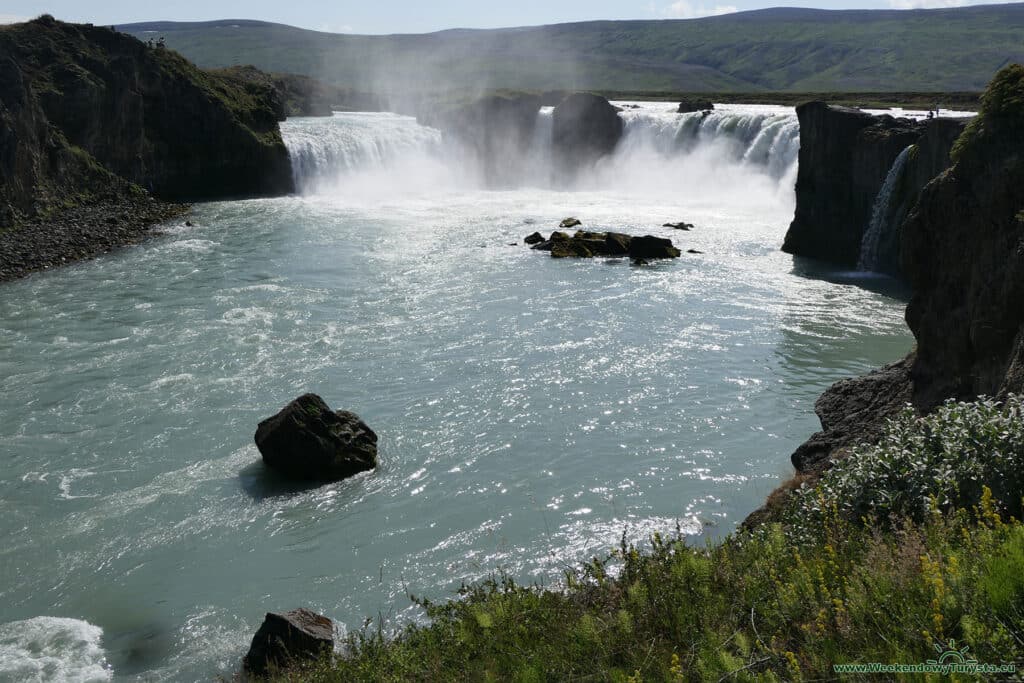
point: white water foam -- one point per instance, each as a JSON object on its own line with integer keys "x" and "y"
{"x": 52, "y": 649}
{"x": 379, "y": 155}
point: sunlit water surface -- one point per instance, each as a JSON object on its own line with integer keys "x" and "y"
{"x": 530, "y": 410}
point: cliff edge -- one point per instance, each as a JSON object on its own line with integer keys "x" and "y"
{"x": 963, "y": 255}
{"x": 98, "y": 130}
{"x": 846, "y": 156}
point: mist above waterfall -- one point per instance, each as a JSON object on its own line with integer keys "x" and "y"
{"x": 739, "y": 153}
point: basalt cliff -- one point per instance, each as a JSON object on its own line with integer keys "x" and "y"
{"x": 962, "y": 252}
{"x": 845, "y": 158}
{"x": 94, "y": 119}
{"x": 498, "y": 131}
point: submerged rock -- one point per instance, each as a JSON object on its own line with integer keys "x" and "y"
{"x": 309, "y": 441}
{"x": 284, "y": 639}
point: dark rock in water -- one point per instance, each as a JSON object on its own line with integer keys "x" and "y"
{"x": 617, "y": 243}
{"x": 309, "y": 441}
{"x": 549, "y": 243}
{"x": 695, "y": 104}
{"x": 585, "y": 128}
{"x": 693, "y": 251}
{"x": 573, "y": 247}
{"x": 188, "y": 224}
{"x": 678, "y": 226}
{"x": 535, "y": 238}
{"x": 639, "y": 262}
{"x": 288, "y": 638}
{"x": 570, "y": 223}
{"x": 585, "y": 244}
{"x": 649, "y": 246}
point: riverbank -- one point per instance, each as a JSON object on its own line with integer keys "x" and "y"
{"x": 82, "y": 232}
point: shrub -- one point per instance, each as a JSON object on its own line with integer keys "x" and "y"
{"x": 942, "y": 460}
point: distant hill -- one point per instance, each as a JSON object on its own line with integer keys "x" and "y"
{"x": 782, "y": 49}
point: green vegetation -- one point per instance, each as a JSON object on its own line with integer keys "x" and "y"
{"x": 1002, "y": 110}
{"x": 789, "y": 50}
{"x": 898, "y": 549}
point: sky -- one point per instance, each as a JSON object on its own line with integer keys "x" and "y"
{"x": 417, "y": 16}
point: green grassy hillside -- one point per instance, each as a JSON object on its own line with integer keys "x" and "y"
{"x": 778, "y": 49}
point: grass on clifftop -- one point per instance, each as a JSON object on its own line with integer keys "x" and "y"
{"x": 899, "y": 555}
{"x": 1001, "y": 113}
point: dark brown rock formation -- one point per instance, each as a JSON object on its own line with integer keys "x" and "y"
{"x": 585, "y": 244}
{"x": 285, "y": 639}
{"x": 693, "y": 104}
{"x": 309, "y": 441}
{"x": 586, "y": 128}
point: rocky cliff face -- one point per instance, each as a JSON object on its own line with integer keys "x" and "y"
{"x": 963, "y": 255}
{"x": 498, "y": 132}
{"x": 845, "y": 156}
{"x": 963, "y": 251}
{"x": 586, "y": 128}
{"x": 94, "y": 102}
{"x": 495, "y": 130}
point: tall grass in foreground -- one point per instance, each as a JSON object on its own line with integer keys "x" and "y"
{"x": 902, "y": 547}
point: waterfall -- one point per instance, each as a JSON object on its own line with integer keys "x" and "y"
{"x": 881, "y": 216}
{"x": 324, "y": 150}
{"x": 660, "y": 148}
{"x": 768, "y": 141}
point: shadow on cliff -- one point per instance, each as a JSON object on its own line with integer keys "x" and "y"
{"x": 879, "y": 283}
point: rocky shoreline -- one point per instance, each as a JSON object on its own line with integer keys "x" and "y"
{"x": 81, "y": 233}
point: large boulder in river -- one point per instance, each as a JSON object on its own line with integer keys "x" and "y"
{"x": 585, "y": 128}
{"x": 309, "y": 441}
{"x": 287, "y": 638}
